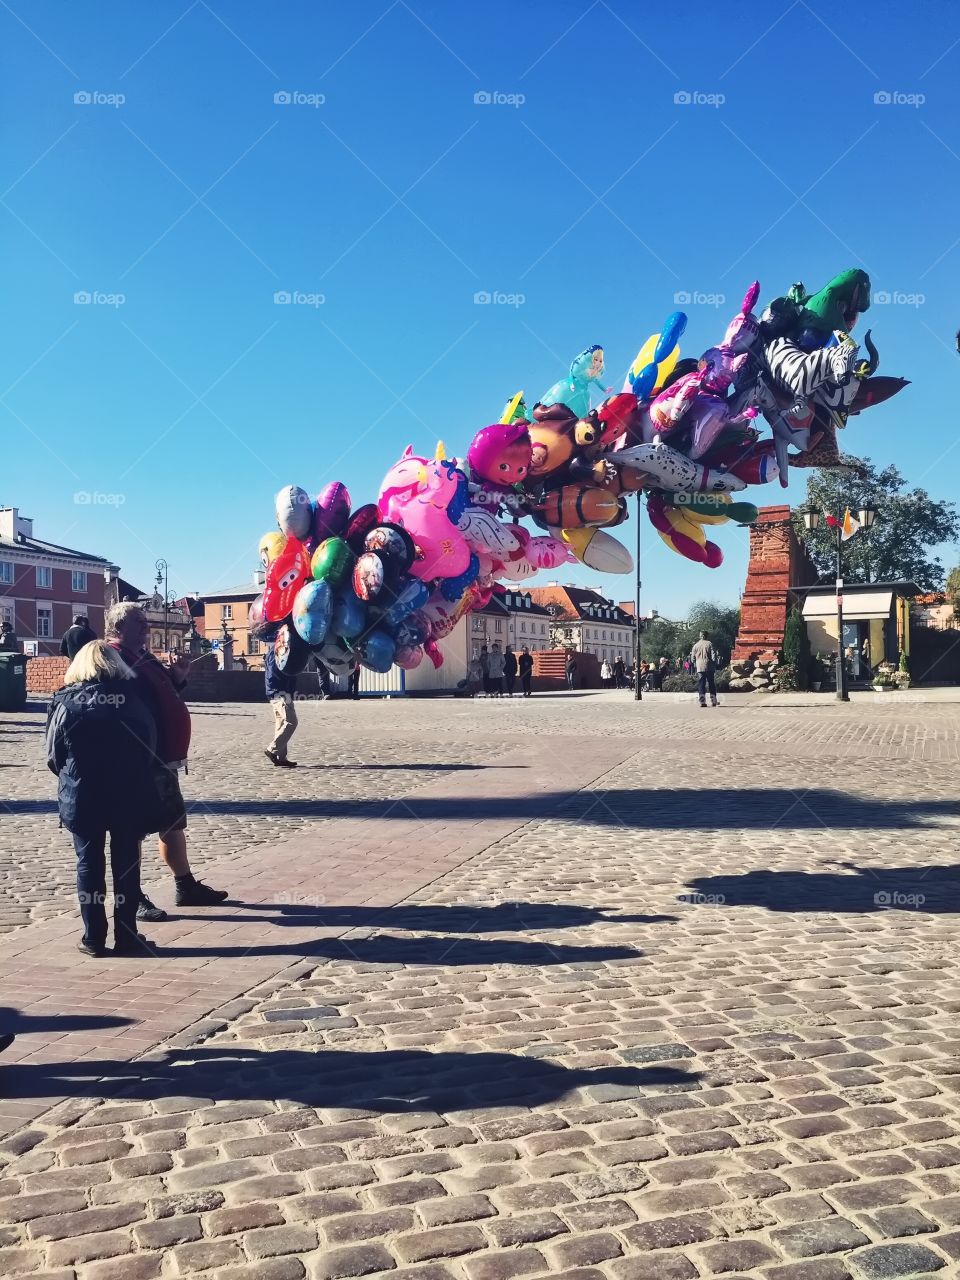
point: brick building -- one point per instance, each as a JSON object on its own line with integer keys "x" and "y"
{"x": 513, "y": 618}
{"x": 43, "y": 585}
{"x": 230, "y": 608}
{"x": 585, "y": 620}
{"x": 778, "y": 561}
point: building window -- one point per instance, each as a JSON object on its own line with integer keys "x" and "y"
{"x": 604, "y": 636}
{"x": 44, "y": 576}
{"x": 6, "y": 611}
{"x": 523, "y": 626}
{"x": 44, "y": 621}
{"x": 158, "y": 640}
{"x": 226, "y": 612}
{"x": 6, "y": 572}
{"x": 78, "y": 581}
{"x": 498, "y": 625}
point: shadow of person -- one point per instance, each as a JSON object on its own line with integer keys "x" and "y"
{"x": 393, "y": 1080}
{"x": 442, "y": 917}
{"x": 13, "y": 1022}
{"x": 934, "y": 889}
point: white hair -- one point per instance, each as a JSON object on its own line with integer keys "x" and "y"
{"x": 117, "y": 615}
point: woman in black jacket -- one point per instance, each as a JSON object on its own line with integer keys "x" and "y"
{"x": 101, "y": 744}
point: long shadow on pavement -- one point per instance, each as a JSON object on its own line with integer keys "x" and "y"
{"x": 501, "y": 917}
{"x": 389, "y": 1081}
{"x": 933, "y": 889}
{"x": 709, "y": 809}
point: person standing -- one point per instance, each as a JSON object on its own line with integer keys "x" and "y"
{"x": 495, "y": 671}
{"x": 703, "y": 657}
{"x": 161, "y": 687}
{"x": 101, "y": 743}
{"x": 618, "y": 673}
{"x": 606, "y": 674}
{"x": 509, "y": 670}
{"x": 474, "y": 675}
{"x": 355, "y": 681}
{"x": 280, "y": 688}
{"x": 572, "y": 670}
{"x": 525, "y": 668}
{"x": 485, "y": 670}
{"x": 75, "y": 637}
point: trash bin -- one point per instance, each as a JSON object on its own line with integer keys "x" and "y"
{"x": 13, "y": 681}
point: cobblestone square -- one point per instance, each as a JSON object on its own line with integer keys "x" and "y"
{"x": 566, "y": 986}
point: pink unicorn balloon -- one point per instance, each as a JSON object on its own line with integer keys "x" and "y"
{"x": 426, "y": 497}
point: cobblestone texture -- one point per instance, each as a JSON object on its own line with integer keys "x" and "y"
{"x": 696, "y": 1018}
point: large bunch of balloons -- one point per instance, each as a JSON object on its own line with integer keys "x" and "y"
{"x": 383, "y": 583}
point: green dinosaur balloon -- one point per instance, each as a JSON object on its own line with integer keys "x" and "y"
{"x": 838, "y": 304}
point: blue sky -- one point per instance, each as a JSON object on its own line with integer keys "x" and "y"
{"x": 385, "y": 189}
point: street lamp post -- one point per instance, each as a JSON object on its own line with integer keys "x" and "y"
{"x": 637, "y": 695}
{"x": 162, "y": 577}
{"x": 811, "y": 520}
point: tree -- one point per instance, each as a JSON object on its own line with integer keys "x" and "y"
{"x": 909, "y": 525}
{"x": 665, "y": 639}
{"x": 796, "y": 647}
{"x": 953, "y": 590}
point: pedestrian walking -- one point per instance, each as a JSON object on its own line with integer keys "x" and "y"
{"x": 75, "y": 637}
{"x": 525, "y": 667}
{"x": 619, "y": 674}
{"x": 571, "y": 671}
{"x": 355, "y": 681}
{"x": 495, "y": 666}
{"x": 280, "y": 688}
{"x": 161, "y": 688}
{"x": 703, "y": 657}
{"x": 485, "y": 670}
{"x": 509, "y": 670}
{"x": 606, "y": 674}
{"x": 101, "y": 743}
{"x": 474, "y": 676}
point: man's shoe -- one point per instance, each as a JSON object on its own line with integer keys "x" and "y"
{"x": 89, "y": 950}
{"x": 283, "y": 762}
{"x": 137, "y": 945}
{"x": 713, "y": 702}
{"x": 198, "y": 894}
{"x": 147, "y": 910}
{"x": 703, "y": 704}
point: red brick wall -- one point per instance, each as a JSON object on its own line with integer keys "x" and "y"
{"x": 777, "y": 561}
{"x": 45, "y": 675}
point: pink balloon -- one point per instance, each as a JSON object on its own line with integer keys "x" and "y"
{"x": 416, "y": 494}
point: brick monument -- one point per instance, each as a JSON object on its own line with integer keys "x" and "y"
{"x": 778, "y": 560}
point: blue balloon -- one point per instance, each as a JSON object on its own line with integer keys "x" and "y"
{"x": 453, "y": 588}
{"x": 644, "y": 382}
{"x": 413, "y": 595}
{"x": 349, "y": 616}
{"x": 670, "y": 335}
{"x": 377, "y": 650}
{"x": 312, "y": 608}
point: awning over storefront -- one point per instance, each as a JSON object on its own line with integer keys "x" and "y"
{"x": 857, "y": 605}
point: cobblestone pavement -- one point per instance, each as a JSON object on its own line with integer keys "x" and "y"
{"x": 680, "y": 999}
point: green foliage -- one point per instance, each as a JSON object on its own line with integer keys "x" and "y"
{"x": 785, "y": 678}
{"x": 882, "y": 678}
{"x": 909, "y": 526}
{"x": 953, "y": 590}
{"x": 682, "y": 683}
{"x": 796, "y": 647}
{"x": 904, "y": 664}
{"x": 722, "y": 680}
{"x": 665, "y": 639}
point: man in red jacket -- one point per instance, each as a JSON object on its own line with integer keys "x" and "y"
{"x": 161, "y": 688}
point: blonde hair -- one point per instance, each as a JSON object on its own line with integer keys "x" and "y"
{"x": 117, "y": 614}
{"x": 97, "y": 661}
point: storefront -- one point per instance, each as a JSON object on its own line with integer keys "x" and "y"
{"x": 876, "y": 622}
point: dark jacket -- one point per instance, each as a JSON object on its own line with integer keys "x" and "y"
{"x": 509, "y": 663}
{"x": 276, "y": 682}
{"x": 101, "y": 744}
{"x": 525, "y": 663}
{"x": 74, "y": 638}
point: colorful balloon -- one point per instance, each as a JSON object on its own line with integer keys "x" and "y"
{"x": 294, "y": 511}
{"x": 377, "y": 650}
{"x": 285, "y": 576}
{"x": 271, "y": 544}
{"x": 332, "y": 561}
{"x": 312, "y": 609}
{"x": 501, "y": 453}
{"x": 349, "y": 615}
{"x": 574, "y": 390}
{"x": 290, "y": 652}
{"x": 368, "y": 576}
{"x": 331, "y": 511}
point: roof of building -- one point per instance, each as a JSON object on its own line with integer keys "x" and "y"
{"x": 580, "y": 603}
{"x": 901, "y": 588}
{"x": 247, "y": 591}
{"x": 41, "y": 547}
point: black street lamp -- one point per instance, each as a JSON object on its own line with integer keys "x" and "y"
{"x": 638, "y": 625}
{"x": 162, "y": 577}
{"x": 811, "y": 520}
